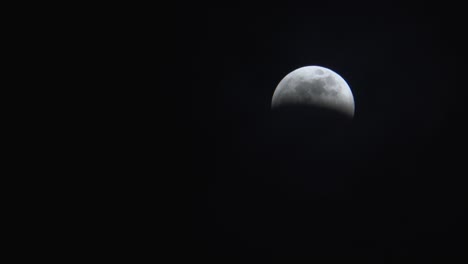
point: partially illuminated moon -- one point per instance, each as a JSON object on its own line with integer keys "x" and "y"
{"x": 314, "y": 87}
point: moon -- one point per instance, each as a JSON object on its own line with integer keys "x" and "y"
{"x": 314, "y": 87}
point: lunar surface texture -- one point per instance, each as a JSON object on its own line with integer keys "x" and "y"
{"x": 317, "y": 88}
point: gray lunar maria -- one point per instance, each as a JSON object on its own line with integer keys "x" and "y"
{"x": 314, "y": 86}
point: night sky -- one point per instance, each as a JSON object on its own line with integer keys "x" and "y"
{"x": 389, "y": 188}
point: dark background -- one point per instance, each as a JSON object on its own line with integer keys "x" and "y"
{"x": 391, "y": 188}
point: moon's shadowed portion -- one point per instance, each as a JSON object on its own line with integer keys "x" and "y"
{"x": 307, "y": 124}
{"x": 308, "y": 143}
